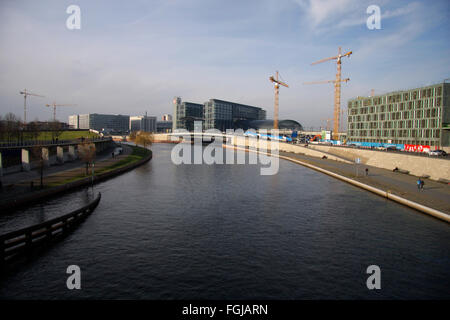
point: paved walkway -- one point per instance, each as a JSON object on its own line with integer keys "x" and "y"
{"x": 435, "y": 194}
{"x": 19, "y": 183}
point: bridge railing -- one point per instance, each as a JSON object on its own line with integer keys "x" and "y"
{"x": 31, "y": 143}
{"x": 23, "y": 241}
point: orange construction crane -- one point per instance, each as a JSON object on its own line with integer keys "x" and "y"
{"x": 277, "y": 84}
{"x": 25, "y": 94}
{"x": 54, "y": 105}
{"x": 337, "y": 90}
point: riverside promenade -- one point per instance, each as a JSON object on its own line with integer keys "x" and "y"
{"x": 23, "y": 187}
{"x": 435, "y": 194}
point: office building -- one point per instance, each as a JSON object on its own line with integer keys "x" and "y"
{"x": 418, "y": 116}
{"x": 143, "y": 123}
{"x": 222, "y": 115}
{"x": 73, "y": 122}
{"x": 104, "y": 122}
{"x": 185, "y": 113}
{"x": 215, "y": 114}
{"x": 164, "y": 126}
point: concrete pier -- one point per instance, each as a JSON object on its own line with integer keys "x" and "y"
{"x": 26, "y": 160}
{"x": 46, "y": 156}
{"x": 60, "y": 154}
{"x": 72, "y": 153}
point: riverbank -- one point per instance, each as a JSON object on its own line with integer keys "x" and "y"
{"x": 433, "y": 200}
{"x": 66, "y": 180}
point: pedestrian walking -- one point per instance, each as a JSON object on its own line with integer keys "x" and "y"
{"x": 419, "y": 184}
{"x": 422, "y": 183}
{"x": 367, "y": 172}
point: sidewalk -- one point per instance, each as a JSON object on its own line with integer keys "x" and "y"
{"x": 434, "y": 195}
{"x": 19, "y": 183}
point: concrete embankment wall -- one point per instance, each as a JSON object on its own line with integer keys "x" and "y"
{"x": 162, "y": 138}
{"x": 386, "y": 194}
{"x": 46, "y": 193}
{"x": 284, "y": 147}
{"x": 416, "y": 165}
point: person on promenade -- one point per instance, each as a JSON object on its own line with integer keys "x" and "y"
{"x": 419, "y": 184}
{"x": 367, "y": 172}
{"x": 422, "y": 183}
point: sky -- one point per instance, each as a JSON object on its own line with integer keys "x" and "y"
{"x": 132, "y": 57}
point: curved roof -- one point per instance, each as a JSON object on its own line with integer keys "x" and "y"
{"x": 268, "y": 124}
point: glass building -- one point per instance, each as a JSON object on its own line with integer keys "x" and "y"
{"x": 215, "y": 114}
{"x": 185, "y": 113}
{"x": 104, "y": 122}
{"x": 222, "y": 115}
{"x": 418, "y": 116}
{"x": 143, "y": 123}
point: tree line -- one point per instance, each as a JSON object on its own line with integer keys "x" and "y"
{"x": 12, "y": 129}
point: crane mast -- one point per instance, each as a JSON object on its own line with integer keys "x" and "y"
{"x": 337, "y": 89}
{"x": 277, "y": 84}
{"x": 25, "y": 94}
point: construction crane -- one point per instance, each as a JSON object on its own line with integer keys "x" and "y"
{"x": 277, "y": 84}
{"x": 328, "y": 121}
{"x": 25, "y": 94}
{"x": 54, "y": 105}
{"x": 337, "y": 89}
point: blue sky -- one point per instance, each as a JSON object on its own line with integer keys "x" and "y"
{"x": 135, "y": 56}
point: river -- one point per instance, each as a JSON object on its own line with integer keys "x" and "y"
{"x": 164, "y": 231}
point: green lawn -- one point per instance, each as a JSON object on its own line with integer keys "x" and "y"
{"x": 137, "y": 154}
{"x": 65, "y": 135}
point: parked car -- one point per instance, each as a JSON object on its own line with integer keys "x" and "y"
{"x": 437, "y": 153}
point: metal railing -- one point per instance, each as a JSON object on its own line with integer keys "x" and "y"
{"x": 24, "y": 241}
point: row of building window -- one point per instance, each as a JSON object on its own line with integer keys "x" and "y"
{"x": 417, "y": 104}
{"x": 405, "y": 115}
{"x": 398, "y": 97}
{"x": 425, "y": 123}
{"x": 414, "y": 133}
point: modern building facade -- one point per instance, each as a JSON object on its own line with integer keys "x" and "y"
{"x": 104, "y": 122}
{"x": 283, "y": 125}
{"x": 73, "y": 121}
{"x": 164, "y": 126}
{"x": 215, "y": 114}
{"x": 185, "y": 113}
{"x": 222, "y": 115}
{"x": 143, "y": 123}
{"x": 418, "y": 116}
{"x": 167, "y": 117}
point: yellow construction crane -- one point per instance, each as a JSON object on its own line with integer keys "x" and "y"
{"x": 337, "y": 89}
{"x": 277, "y": 84}
{"x": 25, "y": 94}
{"x": 54, "y": 105}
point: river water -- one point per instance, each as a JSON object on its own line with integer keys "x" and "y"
{"x": 164, "y": 231}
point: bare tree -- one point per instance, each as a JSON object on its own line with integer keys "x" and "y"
{"x": 132, "y": 136}
{"x": 33, "y": 129}
{"x": 12, "y": 126}
{"x": 144, "y": 139}
{"x": 86, "y": 152}
{"x": 55, "y": 129}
